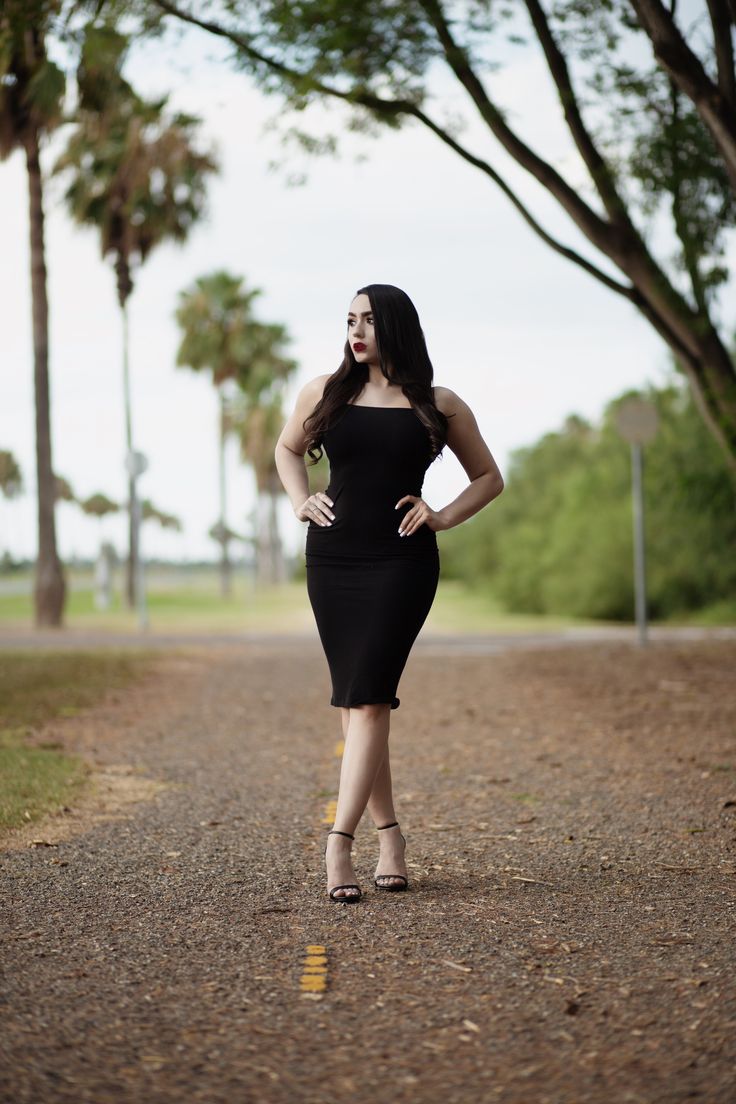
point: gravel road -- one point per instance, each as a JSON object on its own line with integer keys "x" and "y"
{"x": 568, "y": 935}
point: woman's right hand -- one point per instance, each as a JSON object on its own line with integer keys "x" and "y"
{"x": 316, "y": 508}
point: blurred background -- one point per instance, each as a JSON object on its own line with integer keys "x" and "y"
{"x": 189, "y": 198}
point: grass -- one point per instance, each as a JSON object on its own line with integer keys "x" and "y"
{"x": 460, "y": 609}
{"x": 34, "y": 780}
{"x": 184, "y": 601}
{"x": 35, "y": 688}
{"x": 189, "y": 602}
{"x": 176, "y": 602}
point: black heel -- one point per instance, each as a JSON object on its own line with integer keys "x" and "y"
{"x": 392, "y": 888}
{"x": 351, "y": 897}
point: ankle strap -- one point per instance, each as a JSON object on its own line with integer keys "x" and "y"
{"x": 336, "y": 832}
{"x": 394, "y": 825}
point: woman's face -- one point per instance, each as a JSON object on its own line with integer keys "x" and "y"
{"x": 361, "y": 334}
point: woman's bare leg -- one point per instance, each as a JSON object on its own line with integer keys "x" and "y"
{"x": 381, "y": 809}
{"x": 366, "y": 739}
{"x": 381, "y": 801}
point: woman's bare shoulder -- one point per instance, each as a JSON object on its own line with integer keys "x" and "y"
{"x": 447, "y": 401}
{"x": 315, "y": 387}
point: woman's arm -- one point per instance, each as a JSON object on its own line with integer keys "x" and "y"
{"x": 289, "y": 454}
{"x": 486, "y": 482}
{"x": 464, "y": 438}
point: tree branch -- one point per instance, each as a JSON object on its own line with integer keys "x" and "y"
{"x": 690, "y": 256}
{"x": 597, "y": 167}
{"x": 686, "y": 69}
{"x": 404, "y": 107}
{"x": 651, "y": 292}
{"x": 626, "y": 290}
{"x": 620, "y": 241}
{"x": 720, "y": 19}
{"x": 600, "y": 232}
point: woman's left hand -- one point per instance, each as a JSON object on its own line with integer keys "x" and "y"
{"x": 420, "y": 514}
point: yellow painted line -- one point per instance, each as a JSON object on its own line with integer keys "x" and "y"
{"x": 328, "y": 817}
{"x": 339, "y": 748}
{"x": 313, "y": 981}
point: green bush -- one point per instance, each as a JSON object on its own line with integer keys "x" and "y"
{"x": 559, "y": 539}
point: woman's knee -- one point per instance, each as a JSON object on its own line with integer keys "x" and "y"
{"x": 372, "y": 711}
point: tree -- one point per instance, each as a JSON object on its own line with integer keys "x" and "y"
{"x": 166, "y": 521}
{"x": 221, "y": 335}
{"x": 258, "y": 427}
{"x": 32, "y": 91}
{"x": 11, "y": 486}
{"x": 137, "y": 176}
{"x": 11, "y": 478}
{"x": 561, "y": 541}
{"x": 100, "y": 506}
{"x": 677, "y": 153}
{"x": 63, "y": 490}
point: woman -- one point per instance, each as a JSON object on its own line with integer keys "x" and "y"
{"x": 371, "y": 551}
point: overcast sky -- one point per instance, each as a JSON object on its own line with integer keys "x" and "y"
{"x": 519, "y": 333}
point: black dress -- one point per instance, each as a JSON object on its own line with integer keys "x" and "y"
{"x": 369, "y": 588}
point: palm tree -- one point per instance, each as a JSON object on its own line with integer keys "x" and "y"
{"x": 11, "y": 486}
{"x": 220, "y": 335}
{"x": 258, "y": 426}
{"x": 137, "y": 177}
{"x": 31, "y": 99}
{"x": 98, "y": 505}
{"x": 63, "y": 490}
{"x": 149, "y": 512}
{"x": 11, "y": 479}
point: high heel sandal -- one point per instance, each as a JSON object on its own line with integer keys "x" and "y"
{"x": 348, "y": 898}
{"x": 391, "y": 888}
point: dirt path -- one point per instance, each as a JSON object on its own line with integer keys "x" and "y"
{"x": 568, "y": 937}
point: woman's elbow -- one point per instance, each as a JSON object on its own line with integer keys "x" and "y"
{"x": 496, "y": 484}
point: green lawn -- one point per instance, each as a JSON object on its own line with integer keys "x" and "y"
{"x": 35, "y": 687}
{"x": 191, "y": 603}
{"x": 188, "y": 601}
{"x": 175, "y": 602}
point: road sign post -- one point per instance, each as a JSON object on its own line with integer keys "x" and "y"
{"x": 135, "y": 464}
{"x": 637, "y": 422}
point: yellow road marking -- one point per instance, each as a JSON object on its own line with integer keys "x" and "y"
{"x": 330, "y": 812}
{"x": 313, "y": 981}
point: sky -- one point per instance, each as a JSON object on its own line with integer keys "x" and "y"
{"x": 523, "y": 336}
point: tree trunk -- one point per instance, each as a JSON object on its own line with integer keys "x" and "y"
{"x": 132, "y": 561}
{"x": 225, "y": 566}
{"x": 276, "y": 548}
{"x": 263, "y": 544}
{"x": 49, "y": 587}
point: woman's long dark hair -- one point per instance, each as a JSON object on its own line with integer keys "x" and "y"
{"x": 401, "y": 345}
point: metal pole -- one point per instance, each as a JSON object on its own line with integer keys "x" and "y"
{"x": 640, "y": 592}
{"x": 140, "y": 589}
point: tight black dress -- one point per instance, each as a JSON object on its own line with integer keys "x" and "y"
{"x": 369, "y": 588}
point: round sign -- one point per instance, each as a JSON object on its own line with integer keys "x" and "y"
{"x": 637, "y": 421}
{"x": 135, "y": 464}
